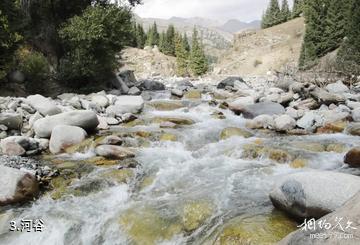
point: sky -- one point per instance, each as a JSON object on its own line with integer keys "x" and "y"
{"x": 222, "y": 10}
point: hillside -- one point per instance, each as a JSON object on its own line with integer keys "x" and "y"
{"x": 148, "y": 62}
{"x": 257, "y": 52}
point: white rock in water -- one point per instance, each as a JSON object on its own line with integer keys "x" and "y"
{"x": 126, "y": 104}
{"x": 314, "y": 193}
{"x": 86, "y": 120}
{"x": 16, "y": 186}
{"x": 356, "y": 115}
{"x": 64, "y": 136}
{"x": 284, "y": 123}
{"x": 45, "y": 106}
{"x": 307, "y": 121}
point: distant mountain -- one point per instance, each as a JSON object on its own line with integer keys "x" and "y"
{"x": 234, "y": 26}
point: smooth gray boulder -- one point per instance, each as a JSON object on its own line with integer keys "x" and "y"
{"x": 64, "y": 136}
{"x": 152, "y": 85}
{"x": 86, "y": 120}
{"x": 126, "y": 104}
{"x": 327, "y": 98}
{"x": 45, "y": 106}
{"x": 349, "y": 212}
{"x": 313, "y": 194}
{"x": 100, "y": 100}
{"x": 263, "y": 108}
{"x": 11, "y": 120}
{"x": 229, "y": 82}
{"x": 16, "y": 186}
{"x": 337, "y": 88}
{"x": 284, "y": 123}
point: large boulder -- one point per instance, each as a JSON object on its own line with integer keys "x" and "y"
{"x": 126, "y": 104}
{"x": 353, "y": 129}
{"x": 353, "y": 157}
{"x": 152, "y": 85}
{"x": 19, "y": 145}
{"x": 313, "y": 194}
{"x": 284, "y": 123}
{"x": 16, "y": 186}
{"x": 114, "y": 152}
{"x": 263, "y": 108}
{"x": 11, "y": 120}
{"x": 64, "y": 136}
{"x": 43, "y": 105}
{"x": 337, "y": 88}
{"x": 327, "y": 98}
{"x": 229, "y": 82}
{"x": 86, "y": 120}
{"x": 238, "y": 105}
{"x": 349, "y": 229}
{"x": 100, "y": 100}
{"x": 128, "y": 77}
{"x": 12, "y": 149}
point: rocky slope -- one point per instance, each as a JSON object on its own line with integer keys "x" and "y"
{"x": 257, "y": 52}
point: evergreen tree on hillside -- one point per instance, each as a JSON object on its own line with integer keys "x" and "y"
{"x": 186, "y": 43}
{"x": 285, "y": 13}
{"x": 298, "y": 8}
{"x": 349, "y": 53}
{"x": 315, "y": 40}
{"x": 169, "y": 47}
{"x": 133, "y": 38}
{"x": 182, "y": 56}
{"x": 272, "y": 15}
{"x": 162, "y": 42}
{"x": 140, "y": 36}
{"x": 153, "y": 36}
{"x": 336, "y": 22}
{"x": 198, "y": 61}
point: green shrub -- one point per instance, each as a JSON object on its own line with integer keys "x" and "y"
{"x": 34, "y": 65}
{"x": 91, "y": 43}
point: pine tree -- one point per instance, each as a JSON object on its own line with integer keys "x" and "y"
{"x": 186, "y": 43}
{"x": 336, "y": 23}
{"x": 182, "y": 56}
{"x": 153, "y": 36}
{"x": 140, "y": 36}
{"x": 162, "y": 42}
{"x": 133, "y": 38}
{"x": 298, "y": 8}
{"x": 272, "y": 15}
{"x": 349, "y": 54}
{"x": 169, "y": 47}
{"x": 285, "y": 13}
{"x": 315, "y": 40}
{"x": 198, "y": 61}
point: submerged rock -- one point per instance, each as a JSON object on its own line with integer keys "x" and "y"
{"x": 258, "y": 229}
{"x": 86, "y": 120}
{"x": 147, "y": 227}
{"x": 16, "y": 186}
{"x": 114, "y": 152}
{"x": 176, "y": 120}
{"x": 313, "y": 194}
{"x": 195, "y": 213}
{"x": 168, "y": 137}
{"x": 192, "y": 95}
{"x": 166, "y": 105}
{"x": 230, "y": 132}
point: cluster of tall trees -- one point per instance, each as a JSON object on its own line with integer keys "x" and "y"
{"x": 77, "y": 39}
{"x": 275, "y": 14}
{"x": 190, "y": 59}
{"x": 331, "y": 24}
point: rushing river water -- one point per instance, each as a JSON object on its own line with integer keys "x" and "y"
{"x": 195, "y": 190}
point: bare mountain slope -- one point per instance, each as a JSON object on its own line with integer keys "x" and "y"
{"x": 257, "y": 52}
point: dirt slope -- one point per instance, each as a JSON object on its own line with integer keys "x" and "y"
{"x": 257, "y": 52}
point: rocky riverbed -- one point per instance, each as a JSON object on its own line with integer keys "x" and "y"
{"x": 180, "y": 162}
